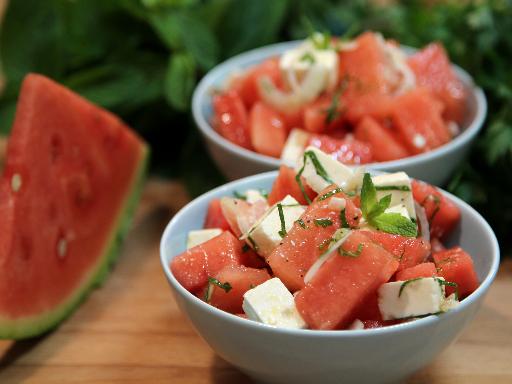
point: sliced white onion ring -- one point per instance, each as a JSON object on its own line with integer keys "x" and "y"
{"x": 423, "y": 221}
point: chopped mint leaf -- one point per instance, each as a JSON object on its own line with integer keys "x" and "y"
{"x": 333, "y": 112}
{"x": 343, "y": 219}
{"x": 282, "y": 232}
{"x": 406, "y": 283}
{"x": 357, "y": 253}
{"x": 392, "y": 188}
{"x": 239, "y": 195}
{"x": 368, "y": 195}
{"x": 225, "y": 286}
{"x": 253, "y": 243}
{"x": 318, "y": 168}
{"x": 449, "y": 284}
{"x": 330, "y": 193}
{"x": 325, "y": 243}
{"x": 308, "y": 57}
{"x": 322, "y": 222}
{"x": 208, "y": 293}
{"x": 245, "y": 248}
{"x": 301, "y": 223}
{"x": 396, "y": 224}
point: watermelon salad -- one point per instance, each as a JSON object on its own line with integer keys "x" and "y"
{"x": 329, "y": 247}
{"x": 362, "y": 100}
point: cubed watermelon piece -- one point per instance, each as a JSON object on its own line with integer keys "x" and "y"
{"x": 369, "y": 309}
{"x": 433, "y": 70}
{"x": 319, "y": 116}
{"x": 442, "y": 214}
{"x": 303, "y": 244}
{"x": 241, "y": 215}
{"x": 230, "y": 118}
{"x": 267, "y": 129}
{"x": 409, "y": 251}
{"x": 456, "y": 265}
{"x": 419, "y": 270}
{"x": 250, "y": 258}
{"x": 240, "y": 280}
{"x": 285, "y": 184}
{"x": 246, "y": 85}
{"x": 383, "y": 144}
{"x": 214, "y": 216}
{"x": 346, "y": 151}
{"x": 193, "y": 267}
{"x": 416, "y": 115}
{"x": 331, "y": 299}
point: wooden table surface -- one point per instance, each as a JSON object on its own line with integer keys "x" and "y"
{"x": 131, "y": 330}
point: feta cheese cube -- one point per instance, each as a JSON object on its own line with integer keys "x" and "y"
{"x": 294, "y": 147}
{"x": 398, "y": 185}
{"x": 416, "y": 297}
{"x": 265, "y": 234}
{"x": 271, "y": 303}
{"x": 200, "y": 236}
{"x": 253, "y": 195}
{"x": 331, "y": 171}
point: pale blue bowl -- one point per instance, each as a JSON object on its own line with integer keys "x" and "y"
{"x": 271, "y": 355}
{"x": 235, "y": 162}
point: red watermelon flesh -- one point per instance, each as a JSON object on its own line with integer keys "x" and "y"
{"x": 369, "y": 310}
{"x": 347, "y": 151}
{"x": 68, "y": 189}
{"x": 417, "y": 271}
{"x": 442, "y": 214}
{"x": 433, "y": 70}
{"x": 193, "y": 267}
{"x": 301, "y": 247}
{"x": 331, "y": 299}
{"x": 240, "y": 279}
{"x": 230, "y": 118}
{"x": 285, "y": 184}
{"x": 214, "y": 216}
{"x": 409, "y": 251}
{"x": 456, "y": 265}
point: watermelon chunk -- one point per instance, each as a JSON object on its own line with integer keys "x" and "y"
{"x": 409, "y": 251}
{"x": 193, "y": 267}
{"x": 383, "y": 144}
{"x": 285, "y": 184}
{"x": 214, "y": 216}
{"x": 230, "y": 119}
{"x": 433, "y": 70}
{"x": 442, "y": 214}
{"x": 316, "y": 115}
{"x": 456, "y": 265}
{"x": 419, "y": 270}
{"x": 346, "y": 151}
{"x": 267, "y": 129}
{"x": 240, "y": 279}
{"x": 417, "y": 117}
{"x": 331, "y": 299}
{"x": 71, "y": 181}
{"x": 302, "y": 246}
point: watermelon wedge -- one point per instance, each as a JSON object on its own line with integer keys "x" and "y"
{"x": 71, "y": 181}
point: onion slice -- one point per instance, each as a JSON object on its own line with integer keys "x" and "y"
{"x": 423, "y": 221}
{"x": 344, "y": 233}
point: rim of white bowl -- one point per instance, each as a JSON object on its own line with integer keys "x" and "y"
{"x": 228, "y": 188}
{"x": 207, "y": 85}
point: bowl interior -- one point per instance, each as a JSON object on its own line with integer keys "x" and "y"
{"x": 473, "y": 234}
{"x": 216, "y": 79}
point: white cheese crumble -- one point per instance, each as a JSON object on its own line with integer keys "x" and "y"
{"x": 294, "y": 147}
{"x": 200, "y": 236}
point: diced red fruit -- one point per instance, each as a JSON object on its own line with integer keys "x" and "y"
{"x": 241, "y": 279}
{"x": 433, "y": 70}
{"x": 267, "y": 129}
{"x": 331, "y": 299}
{"x": 214, "y": 216}
{"x": 369, "y": 309}
{"x": 409, "y": 251}
{"x": 230, "y": 118}
{"x": 293, "y": 119}
{"x": 456, "y": 266}
{"x": 346, "y": 151}
{"x": 251, "y": 259}
{"x": 419, "y": 270}
{"x": 301, "y": 247}
{"x": 361, "y": 103}
{"x": 247, "y": 84}
{"x": 318, "y": 119}
{"x": 192, "y": 267}
{"x": 285, "y": 184}
{"x": 417, "y": 117}
{"x": 384, "y": 146}
{"x": 372, "y": 324}
{"x": 240, "y": 214}
{"x": 442, "y": 214}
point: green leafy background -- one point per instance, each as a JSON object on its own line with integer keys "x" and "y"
{"x": 142, "y": 59}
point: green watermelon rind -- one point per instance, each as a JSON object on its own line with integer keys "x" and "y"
{"x": 35, "y": 325}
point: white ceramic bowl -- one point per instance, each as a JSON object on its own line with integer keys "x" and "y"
{"x": 272, "y": 355}
{"x": 235, "y": 162}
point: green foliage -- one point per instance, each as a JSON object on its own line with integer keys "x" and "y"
{"x": 142, "y": 58}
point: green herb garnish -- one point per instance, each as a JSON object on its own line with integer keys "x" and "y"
{"x": 308, "y": 57}
{"x": 239, "y": 195}
{"x": 392, "y": 188}
{"x": 301, "y": 223}
{"x": 225, "y": 286}
{"x": 245, "y": 248}
{"x": 322, "y": 222}
{"x": 357, "y": 253}
{"x": 325, "y": 243}
{"x": 281, "y": 232}
{"x": 448, "y": 284}
{"x": 343, "y": 219}
{"x": 253, "y": 243}
{"x": 321, "y": 40}
{"x": 330, "y": 193}
{"x": 374, "y": 212}
{"x": 406, "y": 283}
{"x": 319, "y": 169}
{"x": 333, "y": 111}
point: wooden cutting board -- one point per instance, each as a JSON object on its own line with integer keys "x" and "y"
{"x": 131, "y": 330}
